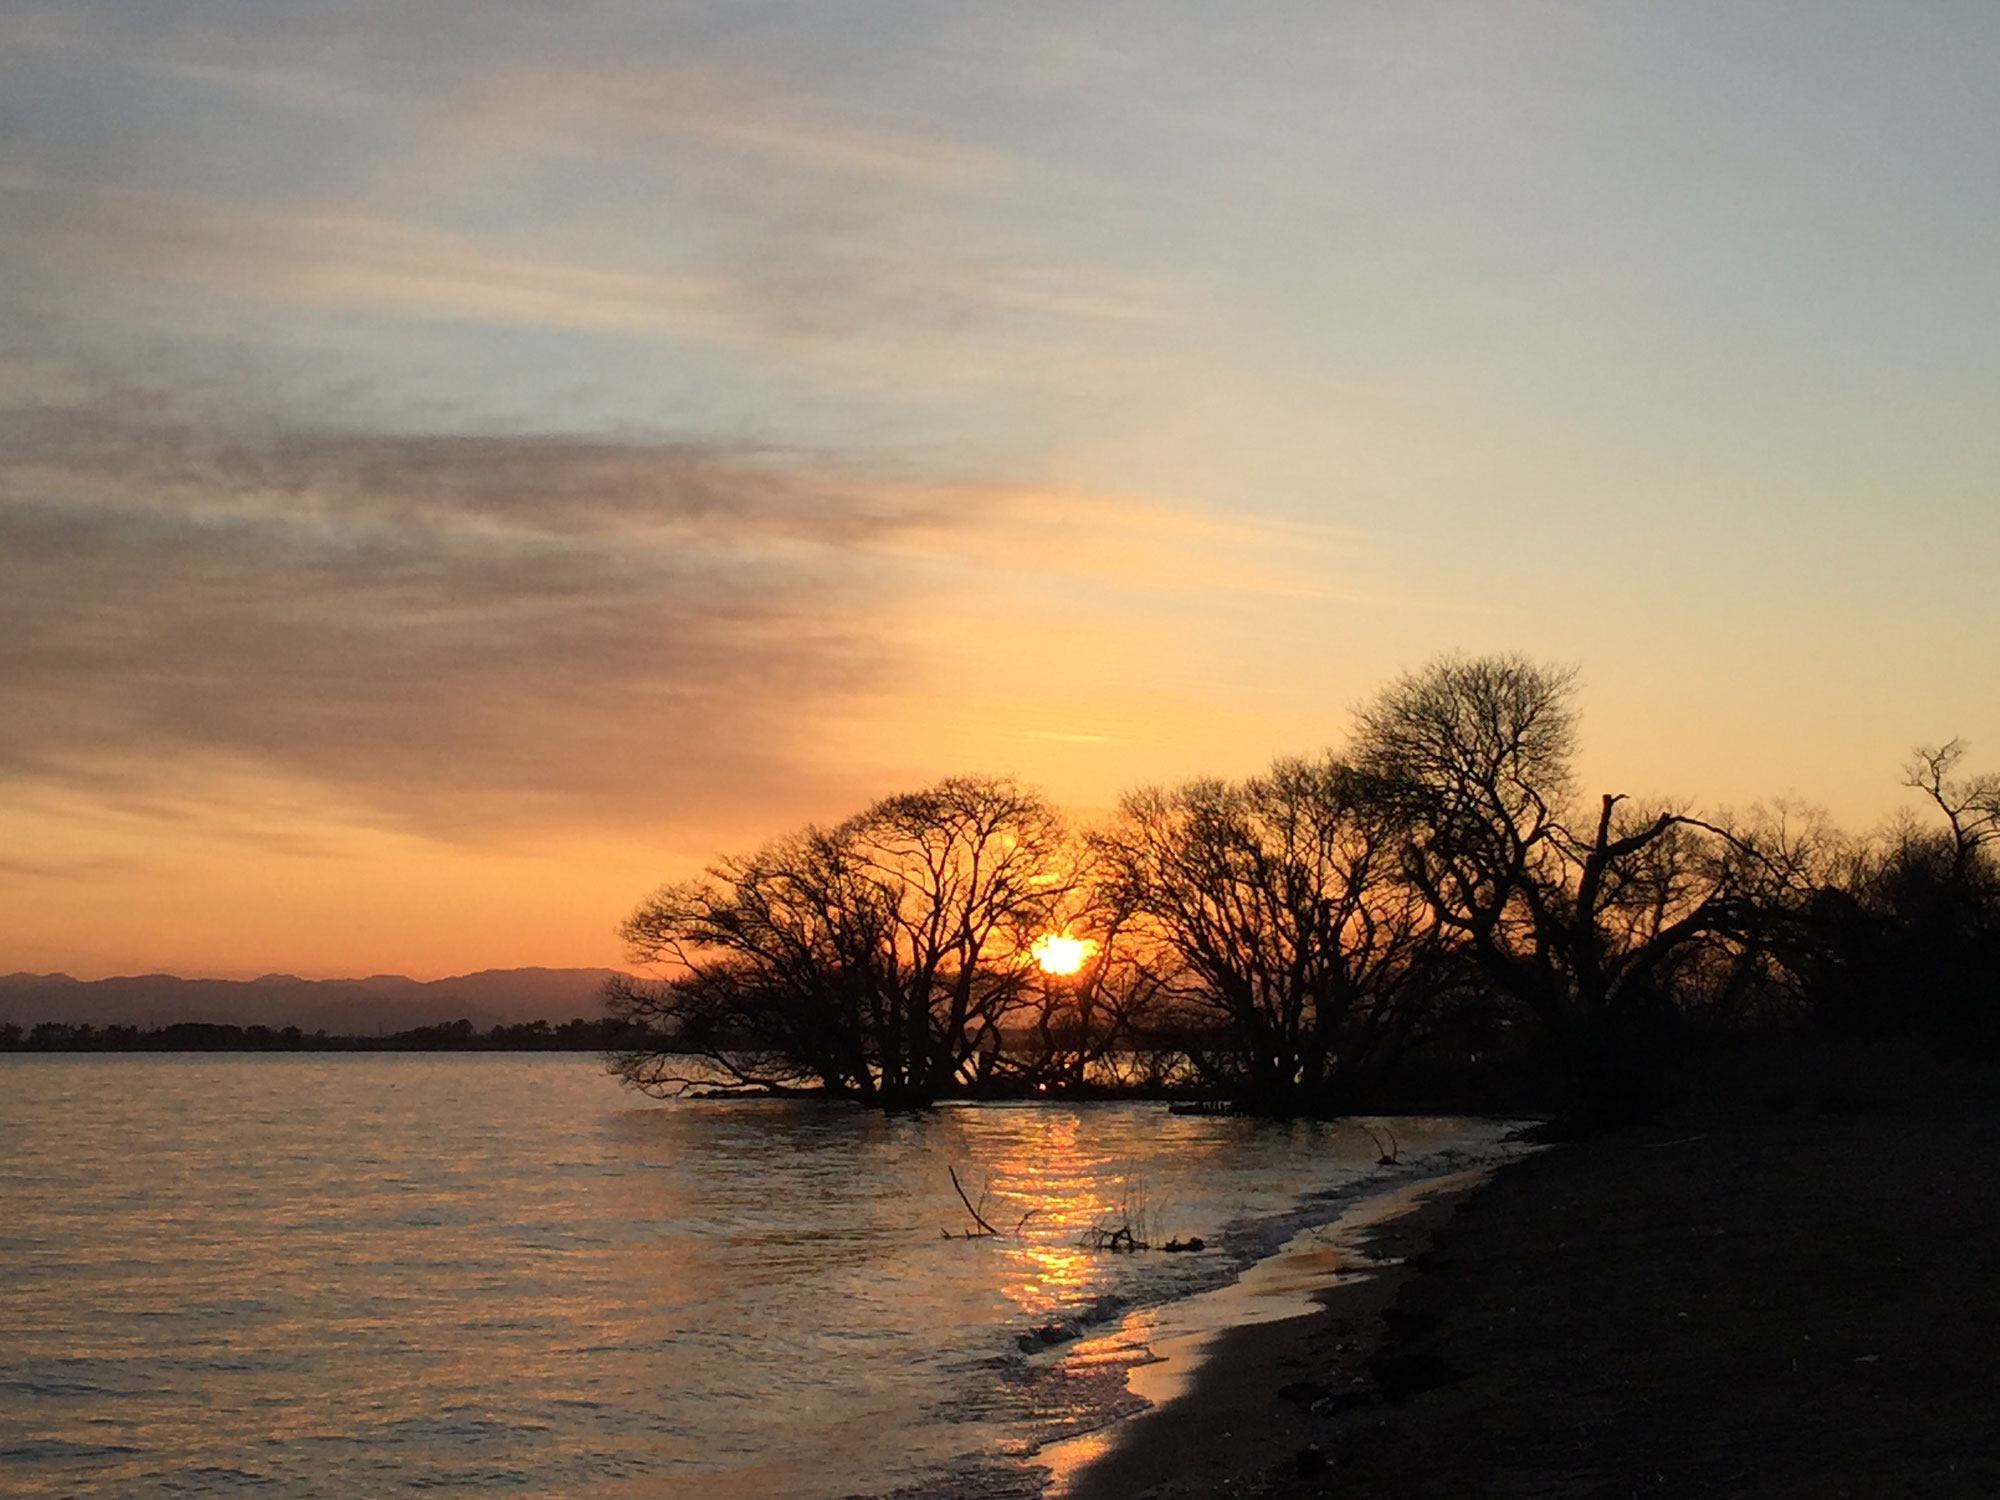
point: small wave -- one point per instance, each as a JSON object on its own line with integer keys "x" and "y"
{"x": 56, "y": 1450}
{"x": 476, "y": 1480}
{"x": 213, "y": 1480}
{"x": 1067, "y": 1376}
{"x": 56, "y": 1389}
{"x": 467, "y": 1431}
{"x": 1100, "y": 1309}
{"x": 971, "y": 1478}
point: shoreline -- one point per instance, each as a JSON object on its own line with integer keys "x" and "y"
{"x": 1297, "y": 1327}
{"x": 1782, "y": 1306}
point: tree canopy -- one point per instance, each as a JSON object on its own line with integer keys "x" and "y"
{"x": 1439, "y": 891}
{"x": 879, "y": 959}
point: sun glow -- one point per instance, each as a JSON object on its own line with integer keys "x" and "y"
{"x": 1058, "y": 953}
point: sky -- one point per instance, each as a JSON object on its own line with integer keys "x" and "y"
{"x": 464, "y": 464}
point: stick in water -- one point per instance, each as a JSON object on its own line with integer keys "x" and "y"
{"x": 968, "y": 1204}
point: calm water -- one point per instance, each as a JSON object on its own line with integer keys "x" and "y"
{"x": 354, "y": 1275}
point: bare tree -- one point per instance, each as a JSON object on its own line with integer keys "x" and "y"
{"x": 881, "y": 959}
{"x": 1277, "y": 909}
{"x": 770, "y": 972}
{"x": 1971, "y": 807}
{"x": 1472, "y": 756}
{"x": 1590, "y": 924}
{"x": 973, "y": 872}
{"x": 1907, "y": 945}
{"x": 1089, "y": 992}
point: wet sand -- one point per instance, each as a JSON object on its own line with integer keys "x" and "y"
{"x": 1795, "y": 1306}
{"x": 1248, "y": 1403}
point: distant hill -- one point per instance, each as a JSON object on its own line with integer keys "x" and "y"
{"x": 351, "y": 1007}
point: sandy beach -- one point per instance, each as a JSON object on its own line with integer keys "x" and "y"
{"x": 1803, "y": 1305}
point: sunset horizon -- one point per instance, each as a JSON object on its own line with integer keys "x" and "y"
{"x": 458, "y": 473}
{"x": 921, "y": 750}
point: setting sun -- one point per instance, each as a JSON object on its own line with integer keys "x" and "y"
{"x": 1060, "y": 954}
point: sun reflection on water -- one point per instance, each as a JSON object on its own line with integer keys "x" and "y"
{"x": 310, "y": 1269}
{"x": 1050, "y": 1190}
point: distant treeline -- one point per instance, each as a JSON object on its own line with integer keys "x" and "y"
{"x": 578, "y": 1035}
{"x": 1434, "y": 914}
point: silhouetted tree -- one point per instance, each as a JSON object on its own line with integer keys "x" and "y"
{"x": 882, "y": 959}
{"x": 1277, "y": 908}
{"x": 1971, "y": 808}
{"x": 1907, "y": 945}
{"x": 1077, "y": 1028}
{"x": 1592, "y": 926}
{"x": 1283, "y": 937}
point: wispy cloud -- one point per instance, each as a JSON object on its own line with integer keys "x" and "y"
{"x": 73, "y": 869}
{"x": 823, "y": 300}
{"x": 339, "y": 260}
{"x": 465, "y": 633}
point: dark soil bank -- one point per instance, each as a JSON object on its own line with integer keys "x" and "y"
{"x": 1801, "y": 1306}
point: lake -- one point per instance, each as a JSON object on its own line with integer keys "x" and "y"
{"x": 339, "y": 1275}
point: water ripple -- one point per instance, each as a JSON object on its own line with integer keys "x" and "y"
{"x": 329, "y": 1276}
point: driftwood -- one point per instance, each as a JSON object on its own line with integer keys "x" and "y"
{"x": 977, "y": 1218}
{"x": 983, "y": 1228}
{"x": 1391, "y": 1151}
{"x": 1098, "y": 1237}
{"x": 985, "y": 1231}
{"x": 1122, "y": 1237}
{"x": 1135, "y": 1223}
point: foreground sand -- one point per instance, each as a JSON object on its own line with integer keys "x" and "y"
{"x": 1800, "y": 1306}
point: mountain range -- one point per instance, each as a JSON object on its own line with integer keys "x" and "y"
{"x": 342, "y": 1007}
